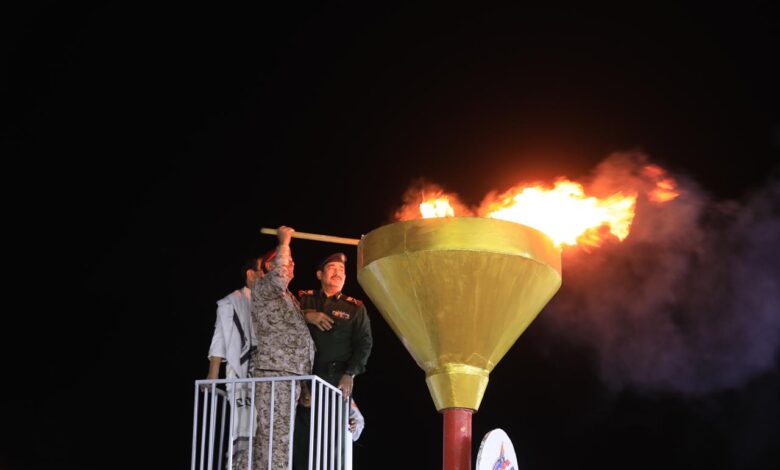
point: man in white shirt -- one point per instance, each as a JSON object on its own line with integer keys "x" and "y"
{"x": 233, "y": 344}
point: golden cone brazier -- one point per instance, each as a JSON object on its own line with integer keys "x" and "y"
{"x": 458, "y": 292}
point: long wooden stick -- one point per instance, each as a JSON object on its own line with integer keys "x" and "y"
{"x": 315, "y": 236}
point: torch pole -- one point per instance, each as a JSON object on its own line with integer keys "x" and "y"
{"x": 457, "y": 438}
{"x": 315, "y": 236}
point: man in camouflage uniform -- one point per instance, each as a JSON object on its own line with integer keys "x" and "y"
{"x": 284, "y": 348}
{"x": 342, "y": 332}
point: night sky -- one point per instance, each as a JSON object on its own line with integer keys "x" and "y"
{"x": 145, "y": 146}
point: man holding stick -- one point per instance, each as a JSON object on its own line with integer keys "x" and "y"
{"x": 285, "y": 348}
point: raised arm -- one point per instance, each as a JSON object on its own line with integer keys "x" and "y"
{"x": 275, "y": 282}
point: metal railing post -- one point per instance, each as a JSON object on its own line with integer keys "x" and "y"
{"x": 292, "y": 424}
{"x": 195, "y": 428}
{"x": 203, "y": 428}
{"x": 340, "y": 427}
{"x": 319, "y": 428}
{"x": 212, "y": 426}
{"x": 271, "y": 426}
{"x": 312, "y": 422}
{"x": 231, "y": 446}
{"x": 222, "y": 431}
{"x": 252, "y": 419}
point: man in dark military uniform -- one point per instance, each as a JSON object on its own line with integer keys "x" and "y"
{"x": 341, "y": 331}
{"x": 338, "y": 324}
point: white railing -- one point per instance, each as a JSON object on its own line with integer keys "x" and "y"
{"x": 329, "y": 440}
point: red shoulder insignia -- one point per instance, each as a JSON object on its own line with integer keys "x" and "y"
{"x": 353, "y": 300}
{"x": 301, "y": 293}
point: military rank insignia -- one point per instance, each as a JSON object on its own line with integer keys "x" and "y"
{"x": 340, "y": 314}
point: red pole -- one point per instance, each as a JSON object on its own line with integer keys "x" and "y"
{"x": 457, "y": 438}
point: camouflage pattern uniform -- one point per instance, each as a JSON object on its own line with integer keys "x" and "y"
{"x": 284, "y": 348}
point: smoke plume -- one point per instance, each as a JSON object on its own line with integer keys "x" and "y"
{"x": 689, "y": 301}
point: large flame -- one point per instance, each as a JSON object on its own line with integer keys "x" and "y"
{"x": 564, "y": 212}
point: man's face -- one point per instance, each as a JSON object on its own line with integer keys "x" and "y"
{"x": 332, "y": 276}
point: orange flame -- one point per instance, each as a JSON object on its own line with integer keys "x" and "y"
{"x": 425, "y": 200}
{"x": 439, "y": 207}
{"x": 564, "y": 212}
{"x": 665, "y": 188}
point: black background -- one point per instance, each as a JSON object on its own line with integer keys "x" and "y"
{"x": 146, "y": 145}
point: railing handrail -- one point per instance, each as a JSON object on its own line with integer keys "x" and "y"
{"x": 300, "y": 378}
